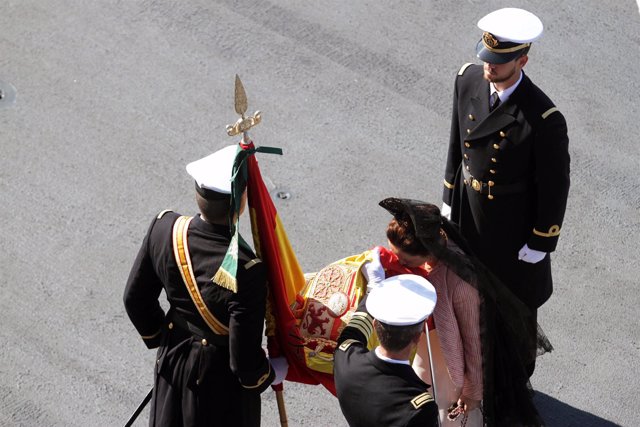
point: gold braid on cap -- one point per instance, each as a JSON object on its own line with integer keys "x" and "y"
{"x": 490, "y": 42}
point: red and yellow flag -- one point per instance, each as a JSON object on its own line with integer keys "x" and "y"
{"x": 286, "y": 280}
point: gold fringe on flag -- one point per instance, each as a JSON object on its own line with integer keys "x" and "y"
{"x": 226, "y": 280}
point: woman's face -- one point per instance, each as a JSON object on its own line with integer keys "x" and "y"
{"x": 408, "y": 260}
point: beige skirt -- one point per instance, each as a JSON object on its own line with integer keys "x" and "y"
{"x": 446, "y": 393}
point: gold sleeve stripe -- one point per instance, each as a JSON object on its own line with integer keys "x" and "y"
{"x": 421, "y": 399}
{"x": 148, "y": 337}
{"x": 252, "y": 263}
{"x": 181, "y": 252}
{"x": 346, "y": 344}
{"x": 363, "y": 318}
{"x": 260, "y": 380}
{"x": 161, "y": 214}
{"x": 554, "y": 231}
{"x": 464, "y": 68}
{"x": 363, "y": 323}
{"x": 549, "y": 112}
{"x": 448, "y": 185}
{"x": 364, "y": 328}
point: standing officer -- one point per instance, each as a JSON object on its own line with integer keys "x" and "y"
{"x": 211, "y": 367}
{"x": 507, "y": 173}
{"x": 380, "y": 388}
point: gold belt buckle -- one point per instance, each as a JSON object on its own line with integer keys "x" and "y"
{"x": 476, "y": 185}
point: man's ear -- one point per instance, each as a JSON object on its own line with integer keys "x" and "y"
{"x": 522, "y": 61}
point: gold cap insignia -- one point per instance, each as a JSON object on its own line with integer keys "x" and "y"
{"x": 489, "y": 40}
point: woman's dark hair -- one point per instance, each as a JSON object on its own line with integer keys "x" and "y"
{"x": 427, "y": 240}
{"x": 401, "y": 233}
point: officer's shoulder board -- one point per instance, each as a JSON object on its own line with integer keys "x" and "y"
{"x": 251, "y": 263}
{"x": 346, "y": 344}
{"x": 421, "y": 400}
{"x": 161, "y": 214}
{"x": 464, "y": 68}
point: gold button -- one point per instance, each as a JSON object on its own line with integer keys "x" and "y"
{"x": 494, "y": 160}
{"x": 496, "y": 146}
{"x": 471, "y": 117}
{"x": 466, "y": 157}
{"x": 475, "y": 184}
{"x": 468, "y": 131}
{"x": 492, "y": 171}
{"x": 502, "y": 134}
{"x": 490, "y": 197}
{"x": 204, "y": 341}
{"x": 467, "y": 167}
{"x": 466, "y": 182}
{"x": 466, "y": 144}
{"x": 491, "y": 183}
{"x": 170, "y": 325}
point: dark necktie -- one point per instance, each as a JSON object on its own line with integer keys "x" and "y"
{"x": 494, "y": 101}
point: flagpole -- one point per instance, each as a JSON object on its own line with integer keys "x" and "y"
{"x": 281, "y": 408}
{"x": 242, "y": 125}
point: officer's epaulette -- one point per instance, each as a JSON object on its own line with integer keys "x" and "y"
{"x": 421, "y": 400}
{"x": 346, "y": 344}
{"x": 161, "y": 214}
{"x": 252, "y": 263}
{"x": 464, "y": 68}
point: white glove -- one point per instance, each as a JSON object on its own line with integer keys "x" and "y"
{"x": 531, "y": 256}
{"x": 373, "y": 270}
{"x": 281, "y": 367}
{"x": 446, "y": 211}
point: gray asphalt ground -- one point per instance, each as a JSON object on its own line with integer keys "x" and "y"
{"x": 115, "y": 97}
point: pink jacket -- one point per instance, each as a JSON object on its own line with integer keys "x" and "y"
{"x": 457, "y": 319}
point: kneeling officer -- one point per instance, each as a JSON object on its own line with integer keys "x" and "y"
{"x": 379, "y": 387}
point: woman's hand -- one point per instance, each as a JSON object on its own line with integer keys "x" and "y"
{"x": 468, "y": 404}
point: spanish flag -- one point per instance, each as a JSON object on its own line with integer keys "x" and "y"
{"x": 285, "y": 276}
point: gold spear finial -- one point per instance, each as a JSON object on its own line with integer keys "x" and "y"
{"x": 240, "y": 97}
{"x": 244, "y": 123}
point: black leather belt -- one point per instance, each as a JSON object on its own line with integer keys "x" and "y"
{"x": 490, "y": 188}
{"x": 196, "y": 331}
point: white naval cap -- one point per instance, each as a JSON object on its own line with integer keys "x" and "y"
{"x": 506, "y": 32}
{"x": 213, "y": 172}
{"x": 402, "y": 300}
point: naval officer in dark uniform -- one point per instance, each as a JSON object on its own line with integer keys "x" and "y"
{"x": 507, "y": 174}
{"x": 380, "y": 388}
{"x": 210, "y": 367}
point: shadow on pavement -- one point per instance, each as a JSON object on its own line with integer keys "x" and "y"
{"x": 558, "y": 414}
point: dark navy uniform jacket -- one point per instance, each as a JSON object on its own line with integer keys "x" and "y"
{"x": 373, "y": 392}
{"x": 507, "y": 179}
{"x": 199, "y": 377}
